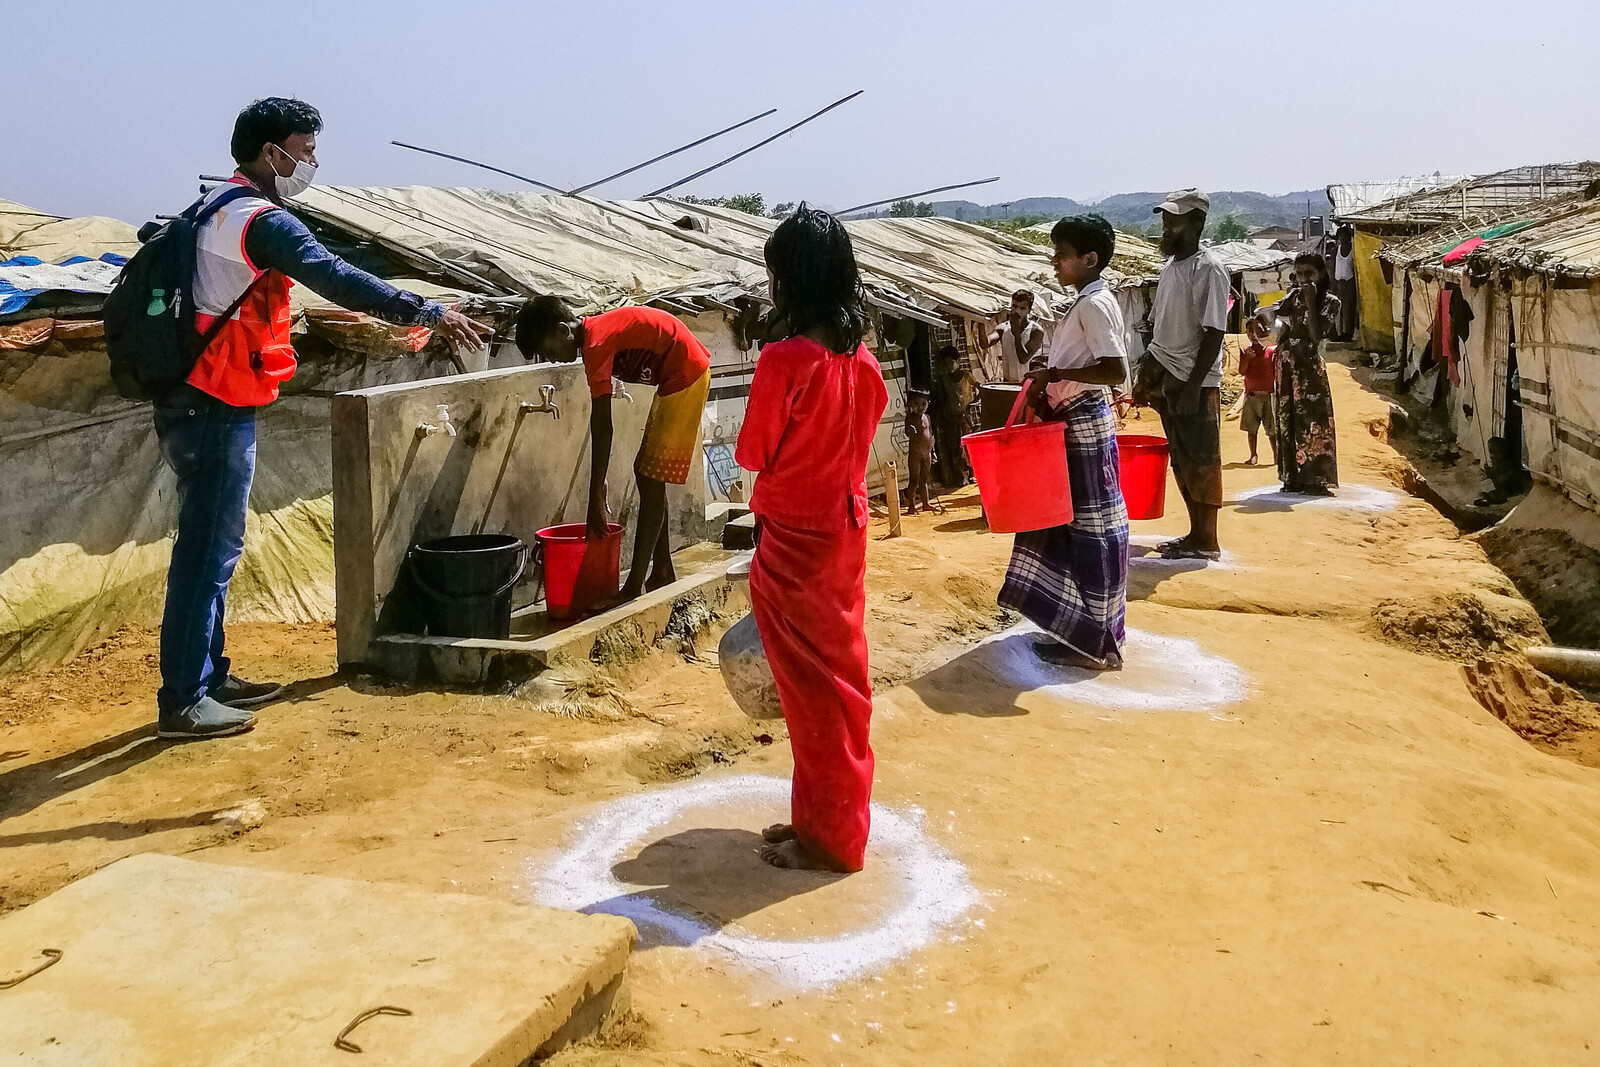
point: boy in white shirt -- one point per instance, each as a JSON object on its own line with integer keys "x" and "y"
{"x": 1072, "y": 581}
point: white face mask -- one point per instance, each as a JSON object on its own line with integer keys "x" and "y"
{"x": 297, "y": 182}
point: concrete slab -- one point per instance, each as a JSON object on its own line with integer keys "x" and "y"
{"x": 169, "y": 962}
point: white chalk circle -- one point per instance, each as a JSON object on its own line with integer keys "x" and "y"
{"x": 934, "y": 889}
{"x": 1142, "y": 553}
{"x": 1345, "y": 498}
{"x": 1158, "y": 674}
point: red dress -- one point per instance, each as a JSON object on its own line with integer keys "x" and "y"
{"x": 808, "y": 432}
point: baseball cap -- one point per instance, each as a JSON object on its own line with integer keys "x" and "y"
{"x": 1183, "y": 201}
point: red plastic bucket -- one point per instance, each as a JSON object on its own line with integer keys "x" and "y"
{"x": 1022, "y": 474}
{"x": 1142, "y": 470}
{"x": 579, "y": 573}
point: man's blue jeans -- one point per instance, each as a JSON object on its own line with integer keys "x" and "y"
{"x": 212, "y": 447}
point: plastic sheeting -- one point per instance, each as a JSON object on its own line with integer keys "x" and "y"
{"x": 1376, "y": 321}
{"x": 1558, "y": 357}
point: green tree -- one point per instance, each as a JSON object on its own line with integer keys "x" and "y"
{"x": 910, "y": 209}
{"x": 749, "y": 203}
{"x": 1229, "y": 228}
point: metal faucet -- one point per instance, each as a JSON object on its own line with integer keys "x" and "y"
{"x": 620, "y": 388}
{"x": 444, "y": 425}
{"x": 546, "y": 406}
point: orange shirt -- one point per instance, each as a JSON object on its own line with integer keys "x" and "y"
{"x": 644, "y": 345}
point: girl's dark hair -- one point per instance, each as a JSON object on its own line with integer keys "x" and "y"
{"x": 1313, "y": 260}
{"x": 271, "y": 121}
{"x": 816, "y": 284}
{"x": 538, "y": 317}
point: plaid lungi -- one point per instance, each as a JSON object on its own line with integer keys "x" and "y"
{"x": 1072, "y": 581}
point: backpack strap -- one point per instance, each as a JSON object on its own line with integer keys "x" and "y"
{"x": 222, "y": 320}
{"x": 203, "y": 211}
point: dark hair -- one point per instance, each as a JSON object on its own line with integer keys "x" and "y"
{"x": 816, "y": 281}
{"x": 538, "y": 317}
{"x": 1311, "y": 259}
{"x": 949, "y": 352}
{"x": 1023, "y": 294}
{"x": 271, "y": 121}
{"x": 1085, "y": 234}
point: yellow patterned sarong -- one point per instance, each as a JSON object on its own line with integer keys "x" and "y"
{"x": 672, "y": 433}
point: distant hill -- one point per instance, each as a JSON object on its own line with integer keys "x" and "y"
{"x": 1133, "y": 211}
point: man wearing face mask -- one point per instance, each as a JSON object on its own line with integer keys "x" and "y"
{"x": 245, "y": 257}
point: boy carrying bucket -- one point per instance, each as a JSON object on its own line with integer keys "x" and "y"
{"x": 645, "y": 346}
{"x": 1072, "y": 581}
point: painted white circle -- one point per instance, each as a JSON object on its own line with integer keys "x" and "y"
{"x": 935, "y": 889}
{"x": 1158, "y": 673}
{"x": 1346, "y": 498}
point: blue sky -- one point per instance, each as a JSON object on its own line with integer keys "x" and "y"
{"x": 114, "y": 108}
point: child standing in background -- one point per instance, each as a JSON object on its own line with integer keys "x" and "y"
{"x": 815, "y": 401}
{"x": 1260, "y": 371}
{"x": 919, "y": 451}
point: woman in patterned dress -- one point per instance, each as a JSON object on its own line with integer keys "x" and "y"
{"x": 1307, "y": 457}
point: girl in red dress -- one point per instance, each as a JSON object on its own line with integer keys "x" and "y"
{"x": 815, "y": 402}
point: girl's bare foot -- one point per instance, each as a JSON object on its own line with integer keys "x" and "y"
{"x": 778, "y": 831}
{"x": 791, "y": 855}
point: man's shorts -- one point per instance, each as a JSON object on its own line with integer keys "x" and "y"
{"x": 1194, "y": 441}
{"x": 1258, "y": 414}
{"x": 672, "y": 433}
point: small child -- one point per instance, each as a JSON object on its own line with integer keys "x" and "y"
{"x": 1258, "y": 365}
{"x": 919, "y": 451}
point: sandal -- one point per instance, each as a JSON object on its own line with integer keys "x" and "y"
{"x": 1181, "y": 550}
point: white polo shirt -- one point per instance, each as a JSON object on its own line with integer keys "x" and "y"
{"x": 1090, "y": 331}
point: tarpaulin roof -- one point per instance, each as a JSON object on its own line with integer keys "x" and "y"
{"x": 598, "y": 254}
{"x": 1350, "y": 197}
{"x": 51, "y": 238}
{"x": 1565, "y": 243}
{"x": 1494, "y": 228}
{"x": 1245, "y": 255}
{"x": 48, "y": 263}
{"x": 1480, "y": 194}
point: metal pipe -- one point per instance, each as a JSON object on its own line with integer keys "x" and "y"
{"x": 675, "y": 151}
{"x": 1575, "y": 666}
{"x": 913, "y": 196}
{"x": 738, "y": 155}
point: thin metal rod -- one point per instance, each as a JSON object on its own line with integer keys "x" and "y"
{"x": 485, "y": 166}
{"x": 788, "y": 129}
{"x": 913, "y": 196}
{"x": 675, "y": 151}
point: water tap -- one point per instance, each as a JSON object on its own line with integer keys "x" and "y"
{"x": 546, "y": 406}
{"x": 443, "y": 425}
{"x": 620, "y": 389}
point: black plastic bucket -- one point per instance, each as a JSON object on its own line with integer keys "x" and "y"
{"x": 995, "y": 403}
{"x": 466, "y": 583}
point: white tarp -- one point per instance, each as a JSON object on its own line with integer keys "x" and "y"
{"x": 1558, "y": 357}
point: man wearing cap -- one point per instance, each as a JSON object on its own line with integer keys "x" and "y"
{"x": 1190, "y": 316}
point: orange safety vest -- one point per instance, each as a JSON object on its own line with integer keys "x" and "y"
{"x": 252, "y": 354}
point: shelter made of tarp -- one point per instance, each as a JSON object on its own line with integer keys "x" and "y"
{"x": 51, "y": 238}
{"x": 1482, "y": 193}
{"x": 1349, "y": 198}
{"x": 57, "y": 266}
{"x": 686, "y": 257}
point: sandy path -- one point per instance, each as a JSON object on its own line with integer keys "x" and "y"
{"x": 1299, "y": 875}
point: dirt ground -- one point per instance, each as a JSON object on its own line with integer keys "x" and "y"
{"x": 1351, "y": 859}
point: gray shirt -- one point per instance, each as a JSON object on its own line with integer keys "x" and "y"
{"x": 1191, "y": 297}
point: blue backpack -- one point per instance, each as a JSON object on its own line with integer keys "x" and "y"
{"x": 149, "y": 314}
